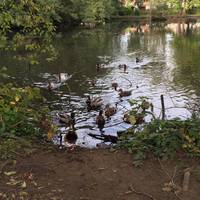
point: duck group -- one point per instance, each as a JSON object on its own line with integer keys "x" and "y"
{"x": 95, "y": 104}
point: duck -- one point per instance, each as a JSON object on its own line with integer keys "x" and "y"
{"x": 110, "y": 111}
{"x": 69, "y": 120}
{"x": 123, "y": 93}
{"x": 93, "y": 104}
{"x": 120, "y": 66}
{"x": 93, "y": 82}
{"x": 63, "y": 77}
{"x": 53, "y": 86}
{"x": 126, "y": 118}
{"x": 71, "y": 137}
{"x": 115, "y": 86}
{"x": 137, "y": 59}
{"x": 99, "y": 66}
{"x": 100, "y": 120}
{"x": 125, "y": 67}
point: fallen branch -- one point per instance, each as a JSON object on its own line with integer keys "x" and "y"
{"x": 141, "y": 193}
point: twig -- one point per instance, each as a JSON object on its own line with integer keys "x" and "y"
{"x": 16, "y": 124}
{"x": 141, "y": 193}
{"x": 174, "y": 174}
{"x": 171, "y": 178}
{"x": 161, "y": 165}
{"x": 131, "y": 84}
{"x": 148, "y": 112}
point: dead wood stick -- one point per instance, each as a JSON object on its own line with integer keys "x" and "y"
{"x": 163, "y": 106}
{"x": 186, "y": 179}
{"x": 141, "y": 193}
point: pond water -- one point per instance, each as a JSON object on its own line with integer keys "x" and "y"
{"x": 169, "y": 65}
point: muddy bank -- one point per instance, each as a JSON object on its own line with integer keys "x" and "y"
{"x": 50, "y": 173}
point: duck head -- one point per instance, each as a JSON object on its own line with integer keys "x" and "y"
{"x": 100, "y": 112}
{"x": 72, "y": 115}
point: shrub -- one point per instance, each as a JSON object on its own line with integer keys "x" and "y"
{"x": 21, "y": 110}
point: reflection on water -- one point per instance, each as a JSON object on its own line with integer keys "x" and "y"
{"x": 168, "y": 64}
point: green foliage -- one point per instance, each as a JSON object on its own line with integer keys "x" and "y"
{"x": 182, "y": 6}
{"x": 163, "y": 138}
{"x": 125, "y": 11}
{"x": 20, "y": 111}
{"x": 88, "y": 10}
{"x": 27, "y": 27}
{"x": 140, "y": 109}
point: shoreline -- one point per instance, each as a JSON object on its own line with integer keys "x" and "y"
{"x": 55, "y": 174}
{"x": 155, "y": 17}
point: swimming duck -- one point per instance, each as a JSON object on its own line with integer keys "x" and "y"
{"x": 99, "y": 66}
{"x": 100, "y": 121}
{"x": 123, "y": 93}
{"x": 93, "y": 82}
{"x": 125, "y": 67}
{"x": 93, "y": 104}
{"x": 110, "y": 111}
{"x": 120, "y": 66}
{"x": 63, "y": 77}
{"x": 69, "y": 120}
{"x": 71, "y": 137}
{"x": 137, "y": 59}
{"x": 53, "y": 86}
{"x": 115, "y": 85}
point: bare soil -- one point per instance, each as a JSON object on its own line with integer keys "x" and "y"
{"x": 80, "y": 174}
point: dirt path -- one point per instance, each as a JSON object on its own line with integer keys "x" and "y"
{"x": 94, "y": 175}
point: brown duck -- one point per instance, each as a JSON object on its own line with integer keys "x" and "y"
{"x": 93, "y": 104}
{"x": 69, "y": 120}
{"x": 123, "y": 93}
{"x": 110, "y": 111}
{"x": 100, "y": 120}
{"x": 115, "y": 86}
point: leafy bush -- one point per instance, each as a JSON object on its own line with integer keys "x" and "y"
{"x": 125, "y": 11}
{"x": 27, "y": 27}
{"x": 164, "y": 138}
{"x": 20, "y": 111}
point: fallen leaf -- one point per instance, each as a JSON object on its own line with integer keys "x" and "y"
{"x": 23, "y": 193}
{"x": 39, "y": 188}
{"x": 10, "y": 173}
{"x": 23, "y": 185}
{"x": 167, "y": 189}
{"x": 13, "y": 182}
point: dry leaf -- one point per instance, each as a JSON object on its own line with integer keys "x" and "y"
{"x": 167, "y": 189}
{"x": 23, "y": 193}
{"x": 10, "y": 173}
{"x": 23, "y": 185}
{"x": 13, "y": 182}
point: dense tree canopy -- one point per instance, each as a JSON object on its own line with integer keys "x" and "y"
{"x": 26, "y": 26}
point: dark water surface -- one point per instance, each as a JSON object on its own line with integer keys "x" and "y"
{"x": 170, "y": 65}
